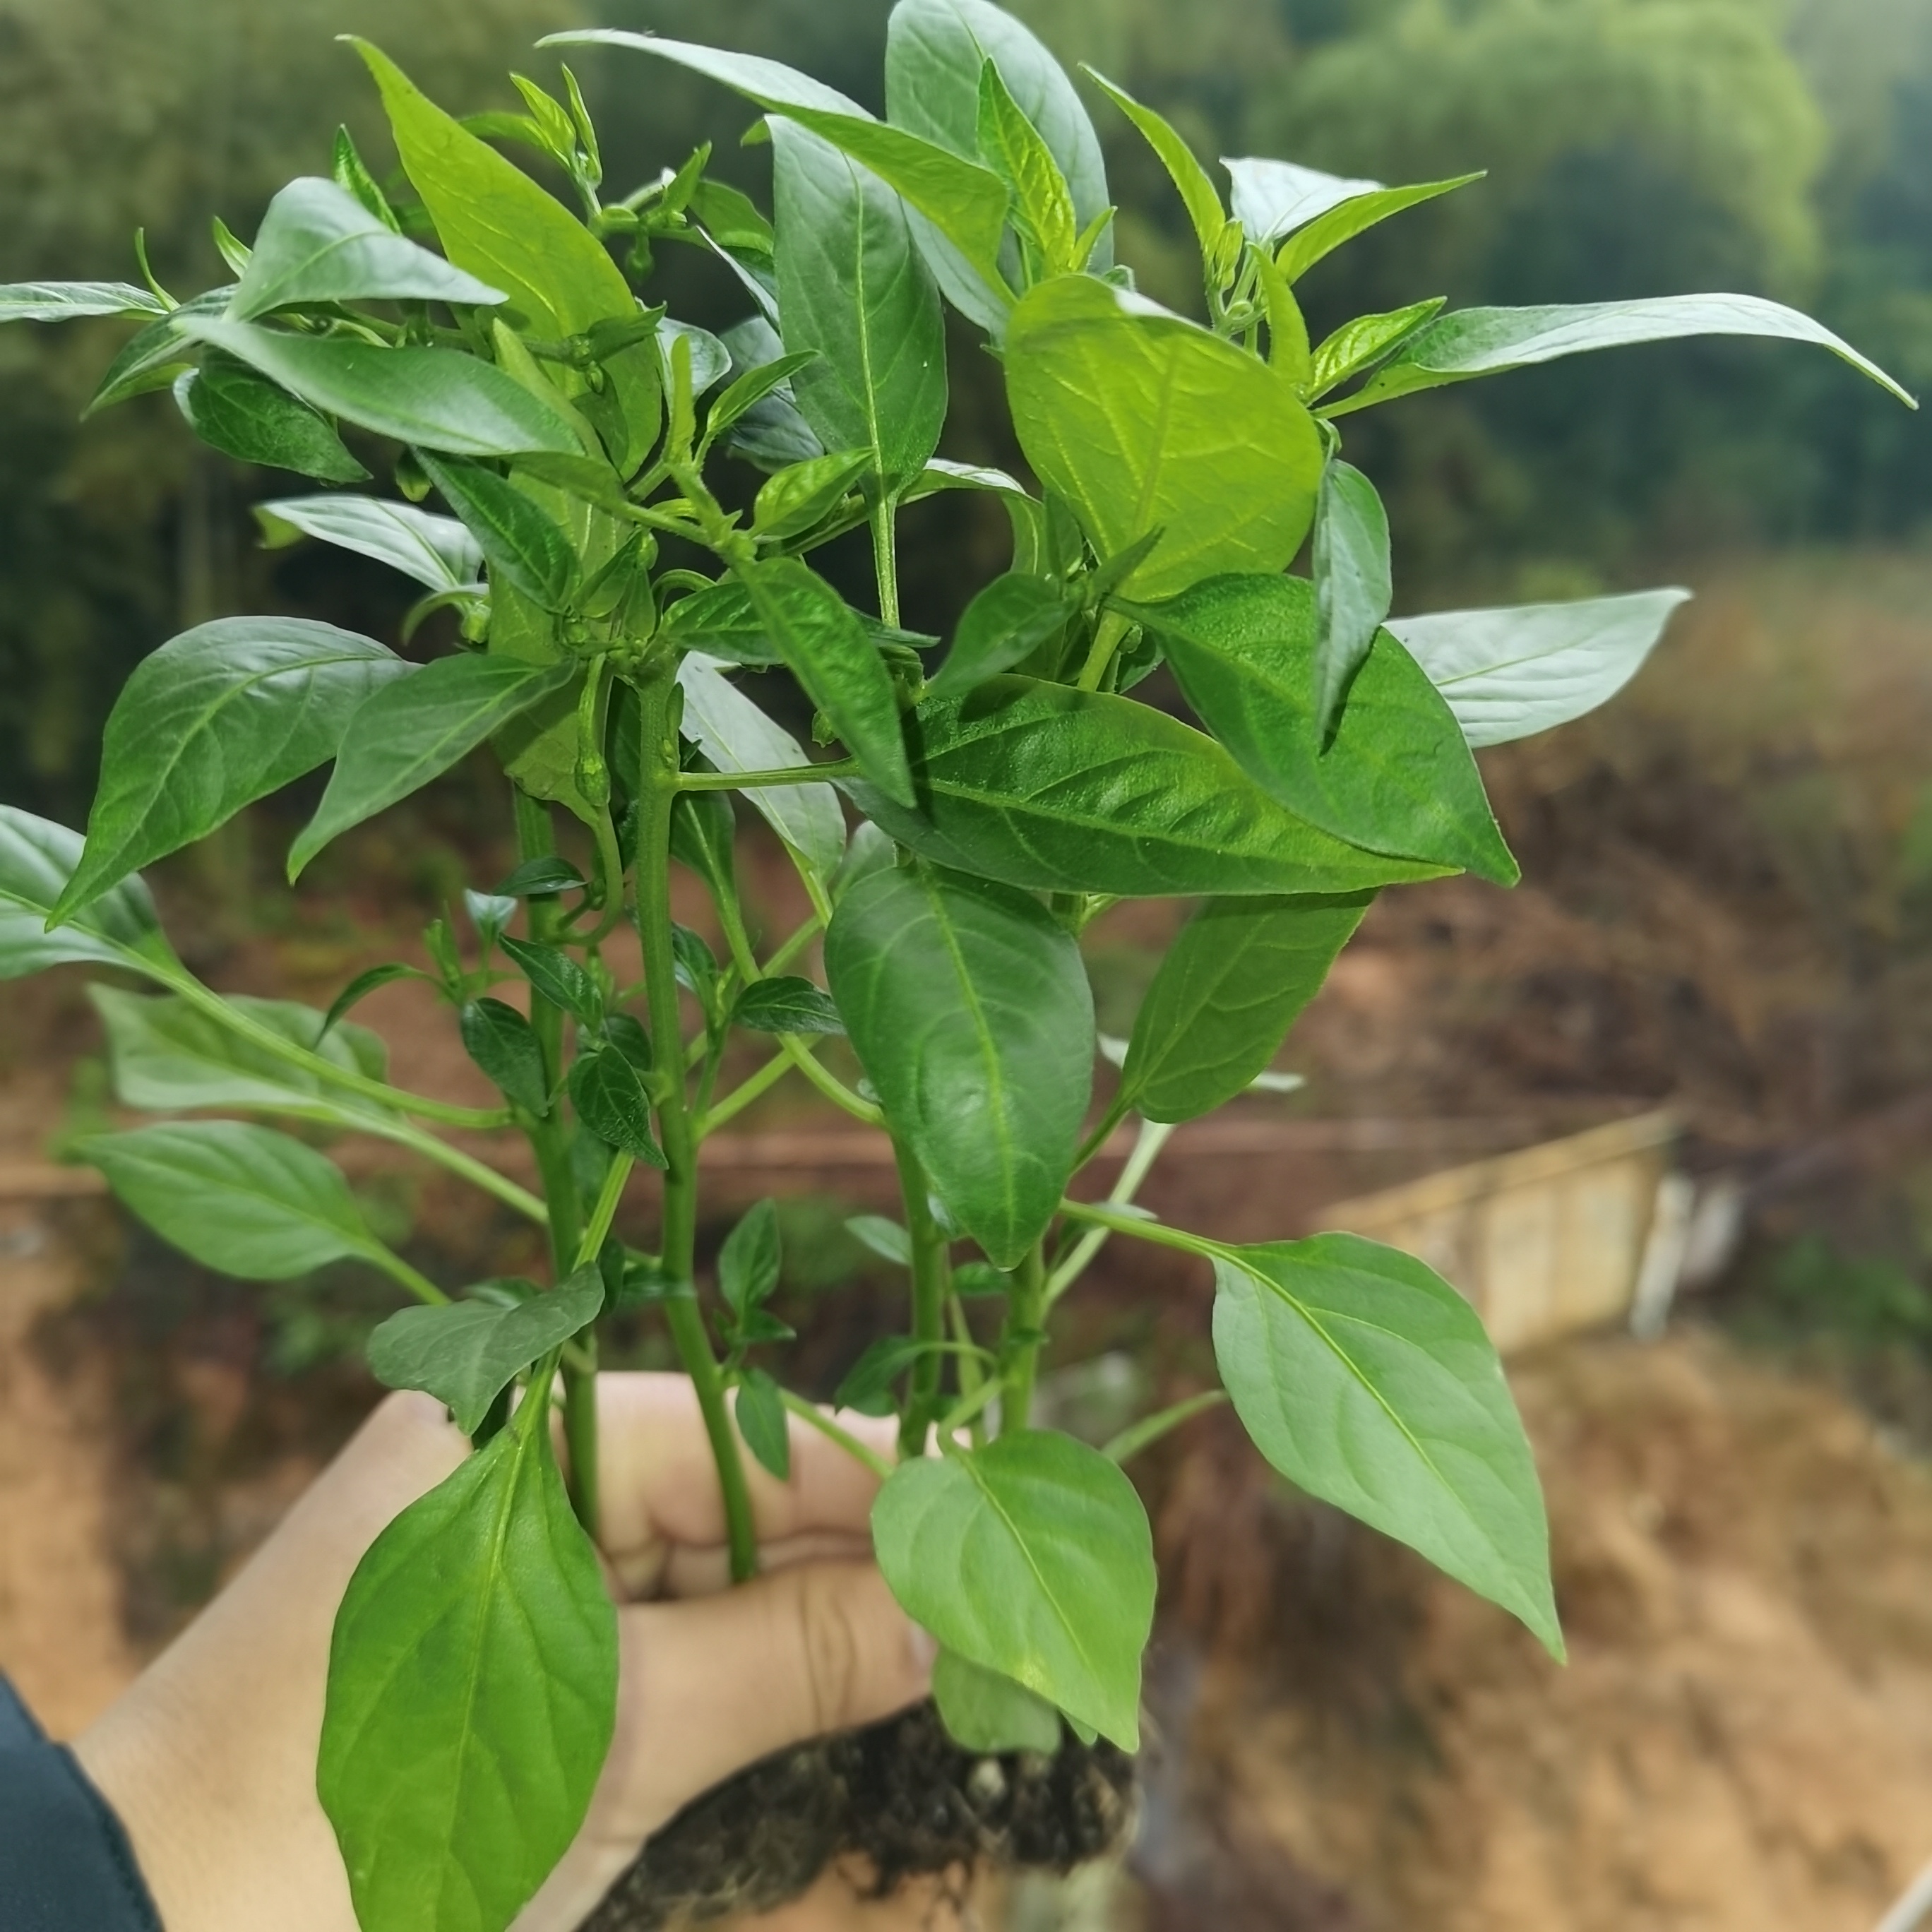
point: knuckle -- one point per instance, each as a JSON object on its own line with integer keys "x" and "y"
{"x": 830, "y": 1645}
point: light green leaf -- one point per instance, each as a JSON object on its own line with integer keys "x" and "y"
{"x": 413, "y": 730}
{"x": 1198, "y": 194}
{"x": 157, "y": 355}
{"x": 1354, "y": 584}
{"x": 799, "y": 498}
{"x": 761, "y": 1413}
{"x": 1011, "y": 145}
{"x": 1004, "y": 624}
{"x": 218, "y": 717}
{"x": 240, "y": 1198}
{"x": 245, "y": 416}
{"x": 38, "y": 859}
{"x": 466, "y": 1353}
{"x": 1343, "y": 222}
{"x": 984, "y": 1711}
{"x": 64, "y": 301}
{"x": 317, "y": 243}
{"x": 854, "y": 287}
{"x": 1509, "y": 673}
{"x": 522, "y": 546}
{"x": 1144, "y": 421}
{"x": 435, "y": 550}
{"x": 434, "y": 398}
{"x": 887, "y": 1239}
{"x": 1231, "y": 986}
{"x": 1057, "y": 789}
{"x": 1366, "y": 1380}
{"x": 1272, "y": 198}
{"x": 1397, "y": 777}
{"x": 472, "y": 1688}
{"x": 1031, "y": 1558}
{"x": 1358, "y": 346}
{"x": 736, "y": 736}
{"x": 1488, "y": 341}
{"x": 969, "y": 1009}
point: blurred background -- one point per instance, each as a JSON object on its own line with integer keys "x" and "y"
{"x": 1726, "y": 913}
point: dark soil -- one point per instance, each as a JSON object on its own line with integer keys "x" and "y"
{"x": 894, "y": 1802}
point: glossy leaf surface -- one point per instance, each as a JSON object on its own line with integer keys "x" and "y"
{"x": 38, "y": 858}
{"x": 520, "y": 542}
{"x": 505, "y": 1046}
{"x": 984, "y": 1711}
{"x": 246, "y": 416}
{"x": 1005, "y": 624}
{"x": 435, "y": 550}
{"x": 1271, "y": 198}
{"x": 64, "y": 301}
{"x": 1354, "y": 583}
{"x": 786, "y": 1004}
{"x": 1354, "y": 216}
{"x": 611, "y": 1101}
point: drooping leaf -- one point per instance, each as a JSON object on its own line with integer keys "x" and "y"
{"x": 505, "y": 1046}
{"x": 37, "y": 860}
{"x": 243, "y": 415}
{"x": 1198, "y": 194}
{"x": 413, "y": 730}
{"x": 984, "y": 1711}
{"x": 736, "y": 736}
{"x": 466, "y": 1353}
{"x": 627, "y": 1034}
{"x": 1350, "y": 217}
{"x": 1143, "y": 421}
{"x": 1509, "y": 673}
{"x": 218, "y": 717}
{"x": 854, "y": 289}
{"x": 1368, "y": 1381}
{"x": 433, "y": 398}
{"x": 970, "y": 1010}
{"x": 1397, "y": 777}
{"x": 1004, "y": 626}
{"x": 786, "y": 1004}
{"x": 472, "y": 1687}
{"x": 1354, "y": 584}
{"x": 1057, "y": 789}
{"x": 1474, "y": 342}
{"x": 544, "y": 877}
{"x": 761, "y": 1413}
{"x": 64, "y": 301}
{"x": 554, "y": 975}
{"x": 522, "y": 546}
{"x": 1231, "y": 986}
{"x": 610, "y": 1100}
{"x": 435, "y": 550}
{"x": 317, "y": 243}
{"x": 1031, "y": 1558}
{"x": 237, "y": 1198}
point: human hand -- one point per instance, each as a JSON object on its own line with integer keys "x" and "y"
{"x": 209, "y": 1758}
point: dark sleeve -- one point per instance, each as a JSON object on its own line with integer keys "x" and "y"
{"x": 65, "y": 1863}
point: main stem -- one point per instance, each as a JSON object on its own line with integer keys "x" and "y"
{"x": 1026, "y": 1310}
{"x": 658, "y": 767}
{"x": 931, "y": 1277}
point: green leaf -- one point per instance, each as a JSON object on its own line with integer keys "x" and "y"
{"x": 867, "y": 1384}
{"x": 505, "y": 1046}
{"x": 1011, "y": 145}
{"x": 1272, "y": 198}
{"x": 1398, "y": 776}
{"x": 37, "y": 860}
{"x": 376, "y": 977}
{"x": 703, "y": 838}
{"x": 522, "y": 546}
{"x": 627, "y": 1034}
{"x": 610, "y": 1100}
{"x": 1005, "y": 624}
{"x": 1488, "y": 341}
{"x": 696, "y": 966}
{"x": 435, "y": 550}
{"x": 770, "y": 432}
{"x": 413, "y": 730}
{"x": 749, "y": 1260}
{"x": 157, "y": 355}
{"x": 472, "y": 1687}
{"x": 236, "y": 411}
{"x": 887, "y": 1239}
{"x": 318, "y": 243}
{"x": 1144, "y": 421}
{"x": 799, "y": 498}
{"x": 218, "y": 717}
{"x": 822, "y": 640}
{"x": 761, "y": 1411}
{"x": 542, "y": 877}
{"x": 66, "y": 302}
{"x": 351, "y": 174}
{"x": 1358, "y": 346}
{"x": 1064, "y": 790}
{"x": 761, "y": 380}
{"x": 1354, "y": 584}
{"x": 433, "y": 398}
{"x": 854, "y": 289}
{"x": 1198, "y": 194}
{"x": 969, "y": 1009}
{"x": 554, "y": 975}
{"x": 984, "y": 1711}
{"x": 1350, "y": 217}
{"x": 1366, "y": 1380}
{"x": 237, "y": 1198}
{"x": 1032, "y": 1558}
{"x": 1509, "y": 673}
{"x": 169, "y": 1057}
{"x": 736, "y": 736}
{"x": 1231, "y": 986}
{"x": 466, "y": 1353}
{"x": 786, "y": 1004}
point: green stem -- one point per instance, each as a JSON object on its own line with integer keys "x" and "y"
{"x": 810, "y": 1413}
{"x": 1154, "y": 1135}
{"x": 931, "y": 1283}
{"x": 802, "y": 1054}
{"x": 605, "y": 1211}
{"x": 740, "y": 1097}
{"x": 1026, "y": 1309}
{"x": 610, "y": 879}
{"x": 883, "y": 515}
{"x": 1099, "y": 1215}
{"x": 1146, "y": 1432}
{"x": 658, "y": 767}
{"x": 393, "y": 1265}
{"x": 784, "y": 774}
{"x": 1108, "y": 633}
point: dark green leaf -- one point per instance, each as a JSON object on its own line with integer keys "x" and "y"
{"x": 433, "y": 398}
{"x": 472, "y": 1687}
{"x": 359, "y": 988}
{"x": 799, "y": 498}
{"x": 696, "y": 966}
{"x": 236, "y": 411}
{"x": 157, "y": 355}
{"x": 868, "y": 1384}
{"x": 1144, "y": 421}
{"x": 771, "y": 433}
{"x": 1354, "y": 585}
{"x": 762, "y": 1422}
{"x": 505, "y": 1046}
{"x": 1006, "y": 623}
{"x": 1368, "y": 1381}
{"x": 435, "y": 550}
{"x": 608, "y": 1094}
{"x": 318, "y": 243}
{"x": 626, "y": 1032}
{"x": 722, "y": 622}
{"x": 542, "y": 878}
{"x": 1229, "y": 990}
{"x": 1031, "y": 1558}
{"x": 887, "y": 1239}
{"x": 1064, "y": 790}
{"x": 63, "y": 301}
{"x": 1509, "y": 673}
{"x": 1358, "y": 346}
{"x": 748, "y": 391}
{"x": 1352, "y": 216}
{"x": 749, "y": 1262}
{"x": 969, "y": 1009}
{"x": 984, "y": 1711}
{"x": 414, "y": 730}
{"x": 729, "y": 217}
{"x": 786, "y": 1004}
{"x": 466, "y": 1353}
{"x": 1398, "y": 776}
{"x": 239, "y": 1198}
{"x": 38, "y": 859}
{"x": 1197, "y": 192}
{"x": 559, "y": 978}
{"x": 218, "y": 717}
{"x": 522, "y": 546}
